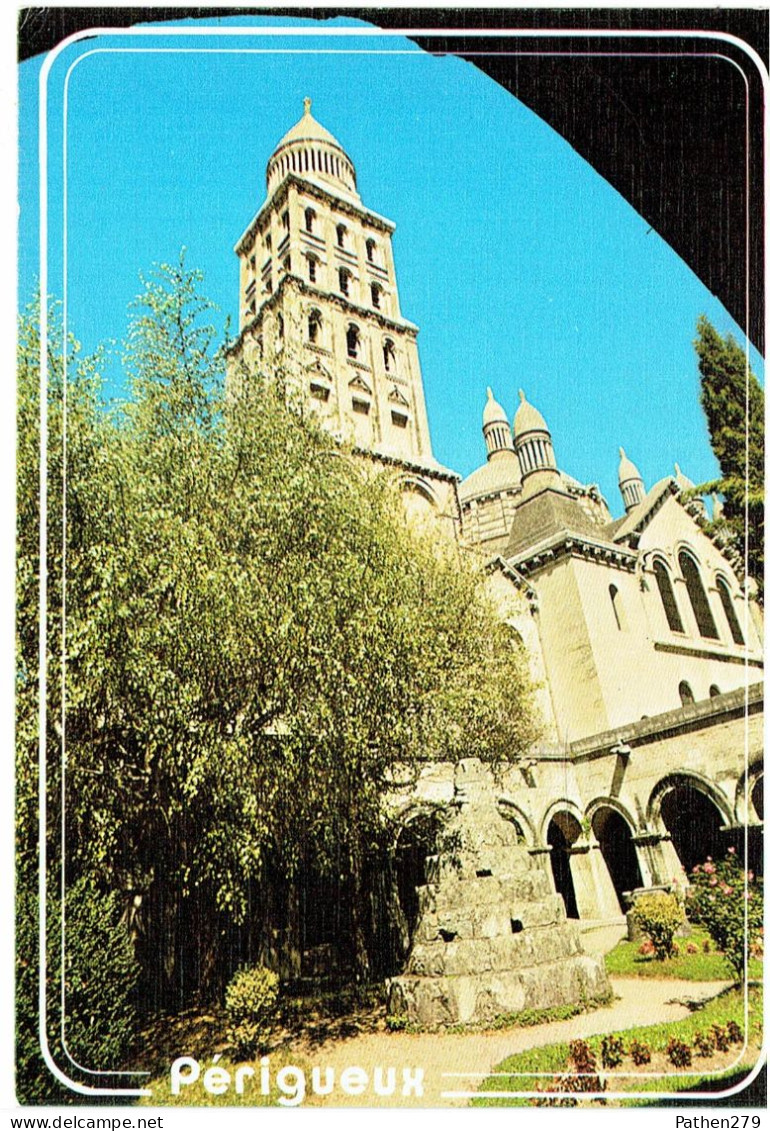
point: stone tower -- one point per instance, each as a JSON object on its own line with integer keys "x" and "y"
{"x": 319, "y": 302}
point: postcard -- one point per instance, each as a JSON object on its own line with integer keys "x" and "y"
{"x": 389, "y": 562}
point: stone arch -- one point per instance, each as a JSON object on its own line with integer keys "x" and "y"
{"x": 750, "y": 811}
{"x": 694, "y": 813}
{"x": 522, "y": 823}
{"x": 418, "y": 487}
{"x": 414, "y": 851}
{"x": 746, "y": 809}
{"x": 613, "y": 827}
{"x": 562, "y": 829}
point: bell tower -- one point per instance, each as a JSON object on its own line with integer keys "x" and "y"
{"x": 319, "y": 300}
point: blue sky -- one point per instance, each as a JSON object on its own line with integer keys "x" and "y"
{"x": 522, "y": 267}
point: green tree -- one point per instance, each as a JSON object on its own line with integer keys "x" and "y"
{"x": 734, "y": 403}
{"x": 258, "y": 647}
{"x": 100, "y": 971}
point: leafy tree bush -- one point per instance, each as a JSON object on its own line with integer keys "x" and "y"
{"x": 640, "y": 1052}
{"x": 258, "y": 646}
{"x": 734, "y": 404}
{"x": 703, "y": 1043}
{"x": 727, "y": 901}
{"x": 100, "y": 982}
{"x": 720, "y": 1037}
{"x": 250, "y": 1003}
{"x": 659, "y": 915}
{"x": 613, "y": 1051}
{"x": 679, "y": 1053}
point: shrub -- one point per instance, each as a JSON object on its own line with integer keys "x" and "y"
{"x": 250, "y": 1003}
{"x": 728, "y": 902}
{"x": 659, "y": 915}
{"x": 692, "y": 948}
{"x": 734, "y": 1032}
{"x": 679, "y": 1053}
{"x": 646, "y": 949}
{"x": 583, "y": 1077}
{"x": 703, "y": 1043}
{"x": 720, "y": 1037}
{"x": 613, "y": 1051}
{"x": 100, "y": 982}
{"x": 640, "y": 1052}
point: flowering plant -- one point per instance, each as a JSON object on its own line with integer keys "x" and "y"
{"x": 728, "y": 902}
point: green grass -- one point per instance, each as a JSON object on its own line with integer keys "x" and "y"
{"x": 553, "y": 1059}
{"x": 625, "y": 961}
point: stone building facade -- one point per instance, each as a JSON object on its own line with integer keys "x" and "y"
{"x": 642, "y": 636}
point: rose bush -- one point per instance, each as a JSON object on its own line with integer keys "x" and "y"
{"x": 727, "y": 901}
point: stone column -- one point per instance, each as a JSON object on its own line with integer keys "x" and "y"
{"x": 649, "y": 857}
{"x": 594, "y": 890}
{"x": 669, "y": 864}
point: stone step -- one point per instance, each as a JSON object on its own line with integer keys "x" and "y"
{"x": 479, "y": 999}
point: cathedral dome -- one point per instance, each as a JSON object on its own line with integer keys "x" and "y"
{"x": 683, "y": 481}
{"x": 627, "y": 469}
{"x": 315, "y": 154}
{"x": 494, "y": 413}
{"x": 495, "y": 477}
{"x": 527, "y": 418}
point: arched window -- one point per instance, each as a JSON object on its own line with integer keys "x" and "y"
{"x": 353, "y": 340}
{"x": 667, "y": 597}
{"x": 312, "y": 268}
{"x": 280, "y": 325}
{"x": 370, "y": 246}
{"x": 714, "y": 691}
{"x": 376, "y": 295}
{"x": 389, "y": 356}
{"x": 697, "y": 595}
{"x": 727, "y": 605}
{"x": 314, "y": 326}
{"x": 341, "y": 233}
{"x": 617, "y": 608}
{"x": 685, "y": 693}
{"x": 309, "y": 219}
{"x": 344, "y": 280}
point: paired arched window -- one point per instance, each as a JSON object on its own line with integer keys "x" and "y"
{"x": 666, "y": 591}
{"x": 685, "y": 693}
{"x": 376, "y": 296}
{"x": 727, "y": 604}
{"x": 341, "y": 234}
{"x": 314, "y": 324}
{"x": 389, "y": 356}
{"x": 370, "y": 246}
{"x": 309, "y": 219}
{"x": 353, "y": 339}
{"x": 698, "y": 598}
{"x": 344, "y": 280}
{"x": 312, "y": 268}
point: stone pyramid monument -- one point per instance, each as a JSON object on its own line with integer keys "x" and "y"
{"x": 492, "y": 938}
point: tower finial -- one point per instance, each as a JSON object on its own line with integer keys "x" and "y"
{"x": 489, "y": 393}
{"x": 622, "y": 453}
{"x": 307, "y": 103}
{"x": 522, "y": 398}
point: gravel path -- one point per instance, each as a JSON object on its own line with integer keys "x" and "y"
{"x": 471, "y": 1056}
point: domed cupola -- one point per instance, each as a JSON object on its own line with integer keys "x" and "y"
{"x": 310, "y": 151}
{"x": 495, "y": 426}
{"x": 532, "y": 441}
{"x": 630, "y": 482}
